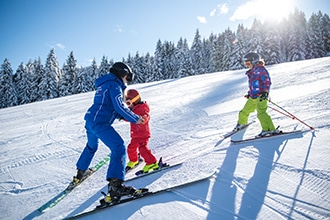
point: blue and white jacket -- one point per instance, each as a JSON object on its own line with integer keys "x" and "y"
{"x": 108, "y": 102}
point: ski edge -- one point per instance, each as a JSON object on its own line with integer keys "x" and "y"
{"x": 155, "y": 171}
{"x": 207, "y": 176}
{"x": 261, "y": 138}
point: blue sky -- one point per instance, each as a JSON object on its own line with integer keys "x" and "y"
{"x": 115, "y": 28}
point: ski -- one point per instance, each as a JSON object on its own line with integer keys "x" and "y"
{"x": 160, "y": 164}
{"x": 55, "y": 200}
{"x": 265, "y": 137}
{"x": 140, "y": 173}
{"x": 143, "y": 192}
{"x": 227, "y": 135}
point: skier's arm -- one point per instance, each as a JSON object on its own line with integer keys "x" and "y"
{"x": 120, "y": 108}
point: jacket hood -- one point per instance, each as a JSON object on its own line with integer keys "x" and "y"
{"x": 107, "y": 77}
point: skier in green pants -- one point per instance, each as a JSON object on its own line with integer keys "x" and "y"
{"x": 257, "y": 97}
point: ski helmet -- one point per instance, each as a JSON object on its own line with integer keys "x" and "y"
{"x": 132, "y": 97}
{"x": 252, "y": 57}
{"x": 121, "y": 70}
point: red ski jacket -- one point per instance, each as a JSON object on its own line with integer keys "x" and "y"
{"x": 141, "y": 130}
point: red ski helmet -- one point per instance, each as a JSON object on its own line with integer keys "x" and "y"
{"x": 132, "y": 97}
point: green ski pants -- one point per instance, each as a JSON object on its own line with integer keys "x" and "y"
{"x": 261, "y": 105}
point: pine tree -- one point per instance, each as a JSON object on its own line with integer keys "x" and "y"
{"x": 183, "y": 58}
{"x": 48, "y": 87}
{"x": 37, "y": 71}
{"x": 91, "y": 74}
{"x": 272, "y": 43}
{"x": 159, "y": 61}
{"x": 23, "y": 84}
{"x": 240, "y": 45}
{"x": 104, "y": 67}
{"x": 226, "y": 53}
{"x": 8, "y": 95}
{"x": 80, "y": 83}
{"x": 196, "y": 54}
{"x": 137, "y": 64}
{"x": 325, "y": 26}
{"x": 297, "y": 36}
{"x": 216, "y": 53}
{"x": 315, "y": 33}
{"x": 67, "y": 84}
{"x": 169, "y": 68}
{"x": 148, "y": 70}
{"x": 256, "y": 37}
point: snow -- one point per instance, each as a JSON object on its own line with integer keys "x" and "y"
{"x": 280, "y": 178}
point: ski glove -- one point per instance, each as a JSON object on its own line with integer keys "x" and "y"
{"x": 247, "y": 96}
{"x": 263, "y": 96}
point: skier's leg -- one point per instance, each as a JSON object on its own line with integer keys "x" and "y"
{"x": 249, "y": 107}
{"x": 110, "y": 137}
{"x": 89, "y": 150}
{"x": 264, "y": 118}
{"x": 145, "y": 152}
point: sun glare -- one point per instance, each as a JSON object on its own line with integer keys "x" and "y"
{"x": 274, "y": 10}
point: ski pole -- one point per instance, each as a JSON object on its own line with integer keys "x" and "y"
{"x": 287, "y": 115}
{"x": 292, "y": 116}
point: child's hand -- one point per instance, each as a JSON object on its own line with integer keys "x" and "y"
{"x": 141, "y": 120}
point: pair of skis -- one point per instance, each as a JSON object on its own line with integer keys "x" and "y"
{"x": 144, "y": 193}
{"x": 59, "y": 197}
{"x": 257, "y": 138}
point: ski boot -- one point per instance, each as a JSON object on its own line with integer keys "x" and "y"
{"x": 130, "y": 165}
{"x": 81, "y": 175}
{"x": 269, "y": 133}
{"x": 150, "y": 167}
{"x": 116, "y": 189}
{"x": 238, "y": 127}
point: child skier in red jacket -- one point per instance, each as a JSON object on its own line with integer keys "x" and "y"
{"x": 140, "y": 134}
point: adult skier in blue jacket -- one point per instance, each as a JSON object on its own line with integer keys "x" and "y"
{"x": 107, "y": 106}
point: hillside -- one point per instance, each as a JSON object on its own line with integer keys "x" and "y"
{"x": 281, "y": 178}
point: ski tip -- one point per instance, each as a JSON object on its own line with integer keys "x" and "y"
{"x": 160, "y": 162}
{"x": 139, "y": 172}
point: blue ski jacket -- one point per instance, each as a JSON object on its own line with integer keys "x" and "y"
{"x": 108, "y": 104}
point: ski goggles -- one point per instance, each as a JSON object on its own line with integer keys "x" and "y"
{"x": 130, "y": 102}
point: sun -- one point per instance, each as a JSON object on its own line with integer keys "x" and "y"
{"x": 274, "y": 10}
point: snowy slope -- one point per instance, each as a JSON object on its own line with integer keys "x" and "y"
{"x": 281, "y": 178}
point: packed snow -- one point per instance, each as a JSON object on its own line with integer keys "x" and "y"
{"x": 286, "y": 177}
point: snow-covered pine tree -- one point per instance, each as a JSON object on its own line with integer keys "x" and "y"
{"x": 8, "y": 95}
{"x": 67, "y": 81}
{"x": 23, "y": 84}
{"x": 48, "y": 87}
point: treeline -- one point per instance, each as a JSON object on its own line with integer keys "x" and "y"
{"x": 294, "y": 38}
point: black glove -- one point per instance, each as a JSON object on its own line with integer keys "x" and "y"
{"x": 247, "y": 96}
{"x": 263, "y": 96}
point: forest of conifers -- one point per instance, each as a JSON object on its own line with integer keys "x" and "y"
{"x": 292, "y": 39}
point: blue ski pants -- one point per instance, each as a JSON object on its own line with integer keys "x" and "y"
{"x": 110, "y": 137}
